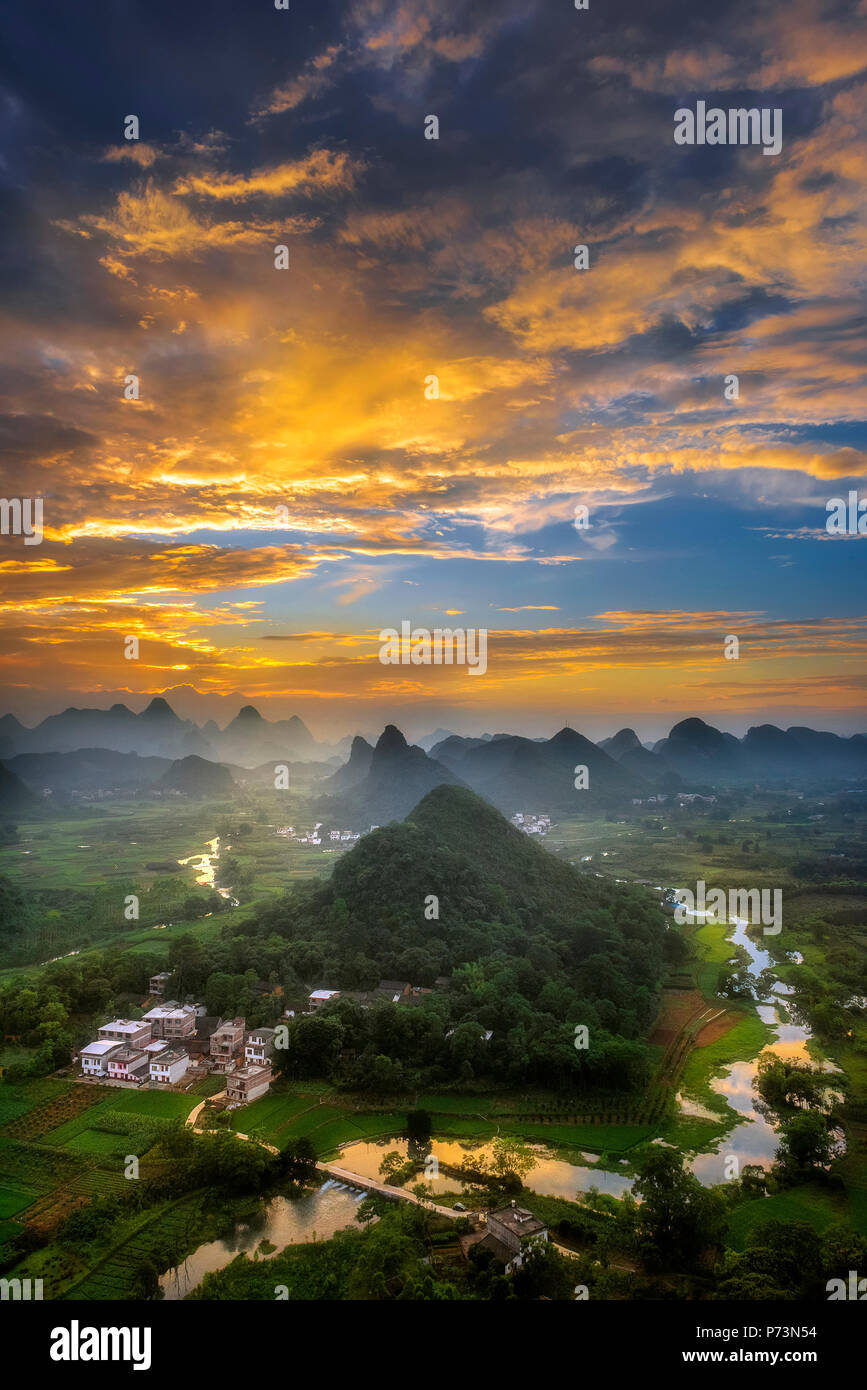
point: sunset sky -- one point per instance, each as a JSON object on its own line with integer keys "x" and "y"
{"x": 304, "y": 388}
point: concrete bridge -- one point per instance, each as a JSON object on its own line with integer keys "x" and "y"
{"x": 394, "y": 1194}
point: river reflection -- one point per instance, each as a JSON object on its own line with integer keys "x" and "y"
{"x": 755, "y": 1140}
{"x": 205, "y": 866}
{"x": 282, "y": 1221}
{"x": 551, "y": 1177}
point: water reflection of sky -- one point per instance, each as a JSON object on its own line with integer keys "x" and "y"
{"x": 315, "y": 1216}
{"x": 755, "y": 1140}
{"x": 551, "y": 1177}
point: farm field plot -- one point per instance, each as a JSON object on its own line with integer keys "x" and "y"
{"x": 163, "y": 1104}
{"x": 32, "y": 1167}
{"x": 16, "y": 1101}
{"x": 267, "y": 1116}
{"x": 812, "y": 1205}
{"x": 14, "y": 1199}
{"x": 98, "y": 1141}
{"x": 90, "y": 850}
{"x": 157, "y": 1239}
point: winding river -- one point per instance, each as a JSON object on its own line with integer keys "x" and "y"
{"x": 754, "y": 1139}
{"x": 205, "y": 869}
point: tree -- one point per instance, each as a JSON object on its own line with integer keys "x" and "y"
{"x": 544, "y": 1273}
{"x": 678, "y": 1218}
{"x": 391, "y": 1165}
{"x": 510, "y": 1157}
{"x": 781, "y": 1260}
{"x": 805, "y": 1146}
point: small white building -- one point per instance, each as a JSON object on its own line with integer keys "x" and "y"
{"x": 168, "y": 1066}
{"x": 258, "y": 1046}
{"x": 95, "y": 1057}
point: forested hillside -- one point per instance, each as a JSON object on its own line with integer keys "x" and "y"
{"x": 530, "y": 948}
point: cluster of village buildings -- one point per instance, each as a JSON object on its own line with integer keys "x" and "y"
{"x": 680, "y": 799}
{"x": 531, "y": 825}
{"x": 173, "y": 1042}
{"x": 320, "y": 836}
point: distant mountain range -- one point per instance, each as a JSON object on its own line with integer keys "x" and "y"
{"x": 158, "y": 732}
{"x": 86, "y": 749}
{"x": 700, "y": 752}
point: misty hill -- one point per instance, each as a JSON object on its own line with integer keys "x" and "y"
{"x": 157, "y": 731}
{"x": 88, "y": 769}
{"x": 786, "y": 752}
{"x": 652, "y": 768}
{"x": 520, "y": 774}
{"x": 250, "y": 739}
{"x": 622, "y": 742}
{"x": 454, "y": 747}
{"x": 399, "y": 775}
{"x": 353, "y": 771}
{"x": 303, "y": 777}
{"x": 531, "y": 945}
{"x": 702, "y": 753}
{"x": 429, "y": 742}
{"x": 11, "y": 731}
{"x": 194, "y": 776}
{"x": 14, "y": 795}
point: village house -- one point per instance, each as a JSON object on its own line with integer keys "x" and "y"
{"x": 95, "y": 1057}
{"x": 128, "y": 1064}
{"x": 247, "y": 1083}
{"x": 226, "y": 1042}
{"x": 320, "y": 997}
{"x": 157, "y": 984}
{"x": 258, "y": 1046}
{"x": 511, "y": 1233}
{"x": 168, "y": 1066}
{"x": 171, "y": 1020}
{"x": 393, "y": 990}
{"x": 132, "y": 1033}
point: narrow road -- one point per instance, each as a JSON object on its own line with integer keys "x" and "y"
{"x": 197, "y": 1110}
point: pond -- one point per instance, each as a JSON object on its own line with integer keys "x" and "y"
{"x": 283, "y": 1221}
{"x": 551, "y": 1177}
